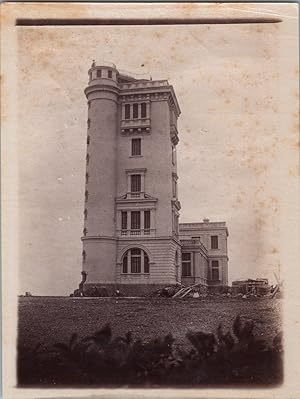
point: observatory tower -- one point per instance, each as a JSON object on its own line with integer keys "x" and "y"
{"x": 130, "y": 236}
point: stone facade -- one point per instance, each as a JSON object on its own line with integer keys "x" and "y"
{"x": 207, "y": 242}
{"x": 131, "y": 238}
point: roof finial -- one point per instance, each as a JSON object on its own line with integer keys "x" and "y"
{"x": 93, "y": 64}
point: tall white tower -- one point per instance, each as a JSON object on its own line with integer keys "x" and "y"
{"x": 130, "y": 237}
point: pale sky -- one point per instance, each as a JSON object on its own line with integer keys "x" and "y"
{"x": 231, "y": 86}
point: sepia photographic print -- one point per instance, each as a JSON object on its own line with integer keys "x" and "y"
{"x": 150, "y": 200}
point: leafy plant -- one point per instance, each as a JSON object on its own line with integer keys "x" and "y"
{"x": 101, "y": 359}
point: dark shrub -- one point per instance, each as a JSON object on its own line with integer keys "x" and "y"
{"x": 101, "y": 359}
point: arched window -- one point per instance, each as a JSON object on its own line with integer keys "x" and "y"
{"x": 135, "y": 261}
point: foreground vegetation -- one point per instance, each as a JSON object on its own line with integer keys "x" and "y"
{"x": 234, "y": 357}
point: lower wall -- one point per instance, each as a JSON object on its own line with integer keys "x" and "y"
{"x": 91, "y": 289}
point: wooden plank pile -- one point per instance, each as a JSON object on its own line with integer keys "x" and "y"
{"x": 185, "y": 291}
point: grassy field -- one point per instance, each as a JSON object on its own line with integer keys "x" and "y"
{"x": 48, "y": 320}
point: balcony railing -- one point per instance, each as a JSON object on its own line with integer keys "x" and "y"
{"x": 140, "y": 125}
{"x": 143, "y": 84}
{"x": 141, "y": 122}
{"x": 136, "y": 232}
{"x": 192, "y": 242}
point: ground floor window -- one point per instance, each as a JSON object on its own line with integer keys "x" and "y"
{"x": 186, "y": 264}
{"x": 135, "y": 261}
{"x": 215, "y": 275}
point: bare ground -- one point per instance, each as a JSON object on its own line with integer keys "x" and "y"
{"x": 47, "y": 320}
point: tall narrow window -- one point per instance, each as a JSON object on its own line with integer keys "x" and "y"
{"x": 85, "y": 214}
{"x": 98, "y": 73}
{"x": 83, "y": 255}
{"x": 136, "y": 260}
{"x": 86, "y": 194}
{"x": 87, "y": 158}
{"x": 109, "y": 74}
{"x": 146, "y": 263}
{"x": 143, "y": 110}
{"x": 214, "y": 242}
{"x": 176, "y": 224}
{"x": 174, "y": 188}
{"x": 125, "y": 263}
{"x": 124, "y": 221}
{"x": 127, "y": 111}
{"x": 136, "y": 148}
{"x": 88, "y": 123}
{"x": 173, "y": 155}
{"x": 135, "y": 220}
{"x": 87, "y": 177}
{"x": 146, "y": 220}
{"x": 215, "y": 275}
{"x": 135, "y": 111}
{"x": 186, "y": 265}
{"x": 88, "y": 140}
{"x": 136, "y": 183}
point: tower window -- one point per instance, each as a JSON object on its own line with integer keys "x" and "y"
{"x": 85, "y": 214}
{"x": 83, "y": 255}
{"x": 87, "y": 158}
{"x": 135, "y": 220}
{"x": 88, "y": 140}
{"x": 186, "y": 264}
{"x": 135, "y": 183}
{"x": 143, "y": 110}
{"x": 136, "y": 148}
{"x": 173, "y": 155}
{"x": 85, "y": 231}
{"x": 146, "y": 220}
{"x": 88, "y": 123}
{"x": 125, "y": 263}
{"x": 137, "y": 260}
{"x": 124, "y": 221}
{"x": 86, "y": 194}
{"x": 87, "y": 178}
{"x": 174, "y": 188}
{"x": 127, "y": 111}
{"x": 214, "y": 242}
{"x": 98, "y": 73}
{"x": 109, "y": 74}
{"x": 215, "y": 275}
{"x": 146, "y": 263}
{"x": 135, "y": 111}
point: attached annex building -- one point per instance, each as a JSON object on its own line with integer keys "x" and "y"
{"x": 132, "y": 239}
